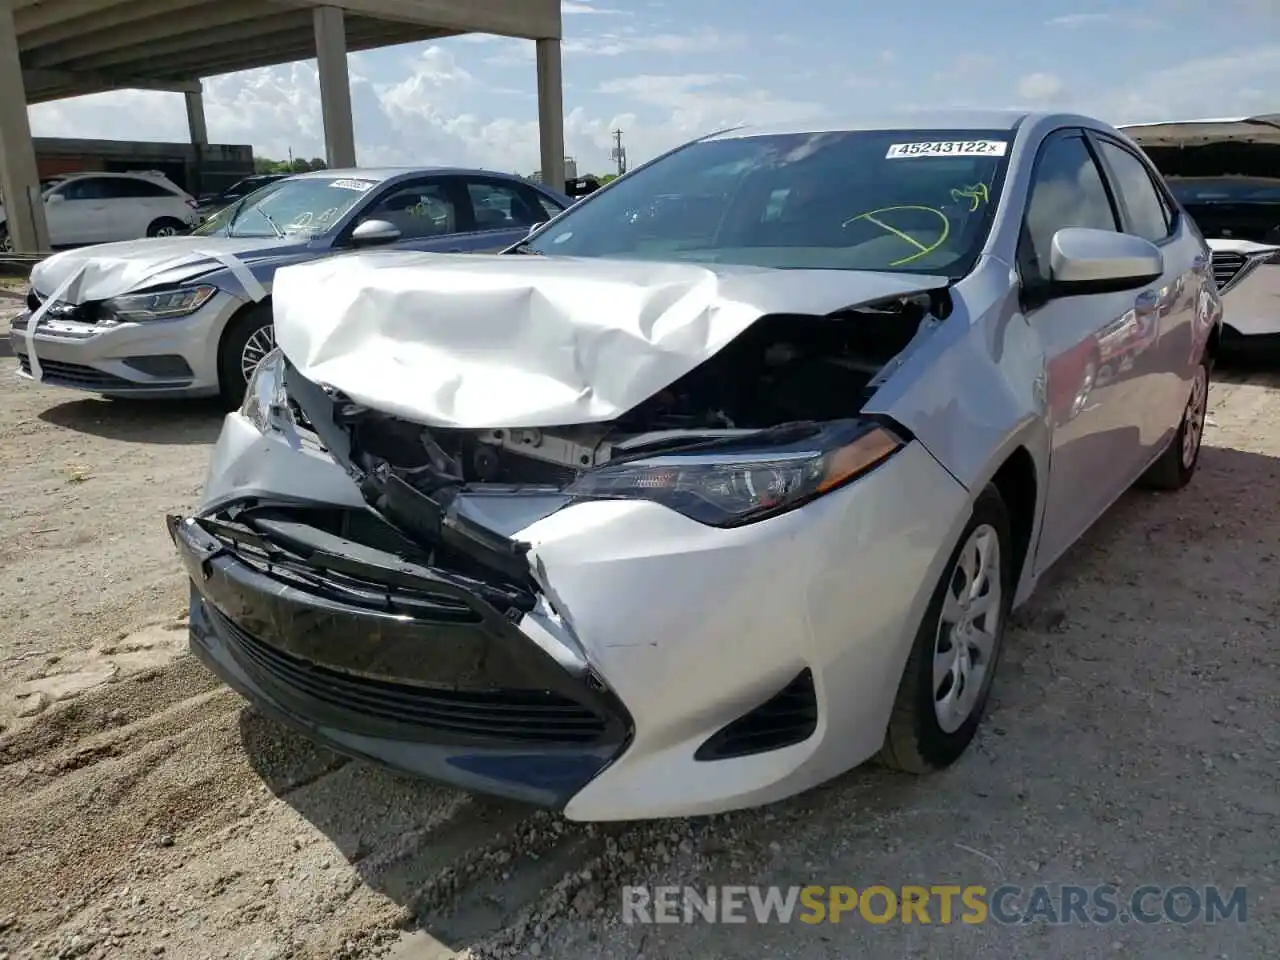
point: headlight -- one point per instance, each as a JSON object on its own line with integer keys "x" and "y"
{"x": 727, "y": 489}
{"x": 266, "y": 405}
{"x": 161, "y": 305}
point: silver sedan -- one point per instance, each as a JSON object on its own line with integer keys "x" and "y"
{"x": 720, "y": 483}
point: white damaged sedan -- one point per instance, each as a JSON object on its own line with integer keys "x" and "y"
{"x": 722, "y": 482}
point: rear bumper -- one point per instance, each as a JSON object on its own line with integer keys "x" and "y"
{"x": 451, "y": 691}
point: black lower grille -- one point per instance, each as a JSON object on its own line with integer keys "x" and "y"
{"x": 787, "y": 718}
{"x": 528, "y": 716}
{"x": 1226, "y": 266}
{"x": 76, "y": 374}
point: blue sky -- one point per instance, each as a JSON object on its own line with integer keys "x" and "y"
{"x": 667, "y": 70}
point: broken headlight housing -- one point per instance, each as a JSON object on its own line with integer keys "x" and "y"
{"x": 160, "y": 304}
{"x": 266, "y": 404}
{"x": 730, "y": 488}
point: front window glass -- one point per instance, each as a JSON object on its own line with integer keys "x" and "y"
{"x": 917, "y": 201}
{"x": 301, "y": 208}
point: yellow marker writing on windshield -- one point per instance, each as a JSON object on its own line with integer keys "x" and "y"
{"x": 873, "y": 217}
{"x": 976, "y": 194}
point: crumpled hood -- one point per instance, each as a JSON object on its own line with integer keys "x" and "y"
{"x": 481, "y": 341}
{"x": 112, "y": 269}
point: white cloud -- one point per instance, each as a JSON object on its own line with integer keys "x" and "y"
{"x": 1040, "y": 88}
{"x": 1115, "y": 18}
{"x": 571, "y": 7}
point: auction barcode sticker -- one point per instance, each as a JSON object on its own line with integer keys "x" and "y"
{"x": 948, "y": 148}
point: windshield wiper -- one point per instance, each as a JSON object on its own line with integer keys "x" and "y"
{"x": 524, "y": 248}
{"x": 280, "y": 234}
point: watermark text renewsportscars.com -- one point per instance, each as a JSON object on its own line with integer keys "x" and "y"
{"x": 936, "y": 904}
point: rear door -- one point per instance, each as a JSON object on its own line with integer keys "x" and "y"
{"x": 501, "y": 212}
{"x": 138, "y": 204}
{"x": 1155, "y": 357}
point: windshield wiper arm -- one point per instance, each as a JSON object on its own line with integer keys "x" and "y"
{"x": 274, "y": 226}
{"x": 524, "y": 248}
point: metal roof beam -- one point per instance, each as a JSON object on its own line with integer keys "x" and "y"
{"x": 43, "y": 85}
{"x": 115, "y": 16}
{"x": 160, "y": 36}
{"x": 527, "y": 19}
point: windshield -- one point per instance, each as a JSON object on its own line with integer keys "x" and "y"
{"x": 303, "y": 207}
{"x": 916, "y": 201}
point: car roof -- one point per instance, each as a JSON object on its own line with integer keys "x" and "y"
{"x": 932, "y": 120}
{"x": 381, "y": 174}
{"x": 131, "y": 174}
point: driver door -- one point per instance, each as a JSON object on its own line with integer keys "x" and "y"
{"x": 426, "y": 212}
{"x": 1095, "y": 444}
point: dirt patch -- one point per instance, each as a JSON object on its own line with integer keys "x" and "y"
{"x": 145, "y": 811}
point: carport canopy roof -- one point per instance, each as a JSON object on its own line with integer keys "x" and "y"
{"x": 72, "y": 47}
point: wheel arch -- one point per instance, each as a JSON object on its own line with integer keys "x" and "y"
{"x": 1018, "y": 483}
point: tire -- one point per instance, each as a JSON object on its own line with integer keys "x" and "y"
{"x": 166, "y": 227}
{"x": 924, "y": 735}
{"x": 1177, "y": 465}
{"x": 6, "y": 242}
{"x": 243, "y": 345}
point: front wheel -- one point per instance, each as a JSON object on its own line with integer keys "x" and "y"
{"x": 1177, "y": 465}
{"x": 247, "y": 339}
{"x": 944, "y": 688}
{"x": 166, "y": 227}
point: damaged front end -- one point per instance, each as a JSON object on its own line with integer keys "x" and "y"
{"x": 415, "y": 624}
{"x": 769, "y": 422}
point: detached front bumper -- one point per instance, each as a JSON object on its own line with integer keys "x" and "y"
{"x": 408, "y": 669}
{"x": 159, "y": 358}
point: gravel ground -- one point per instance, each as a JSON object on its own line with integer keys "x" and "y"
{"x": 145, "y": 811}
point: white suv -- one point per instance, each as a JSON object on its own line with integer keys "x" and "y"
{"x": 102, "y": 207}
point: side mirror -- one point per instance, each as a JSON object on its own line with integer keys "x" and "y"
{"x": 1085, "y": 261}
{"x": 55, "y": 198}
{"x": 372, "y": 232}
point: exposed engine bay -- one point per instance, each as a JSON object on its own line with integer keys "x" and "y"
{"x": 783, "y": 369}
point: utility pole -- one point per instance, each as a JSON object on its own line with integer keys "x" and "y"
{"x": 619, "y": 154}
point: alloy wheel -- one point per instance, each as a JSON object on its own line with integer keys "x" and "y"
{"x": 965, "y": 645}
{"x": 260, "y": 343}
{"x": 166, "y": 231}
{"x": 1197, "y": 410}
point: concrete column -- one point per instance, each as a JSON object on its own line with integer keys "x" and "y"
{"x": 551, "y": 113}
{"x": 195, "y": 119}
{"x": 19, "y": 175}
{"x": 199, "y": 140}
{"x": 335, "y": 88}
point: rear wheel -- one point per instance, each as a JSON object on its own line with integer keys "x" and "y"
{"x": 248, "y": 338}
{"x": 1177, "y": 465}
{"x": 166, "y": 227}
{"x": 944, "y": 688}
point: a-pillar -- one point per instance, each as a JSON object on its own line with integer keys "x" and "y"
{"x": 335, "y": 88}
{"x": 551, "y": 113}
{"x": 199, "y": 139}
{"x": 19, "y": 175}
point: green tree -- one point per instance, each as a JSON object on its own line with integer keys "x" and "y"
{"x": 318, "y": 164}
